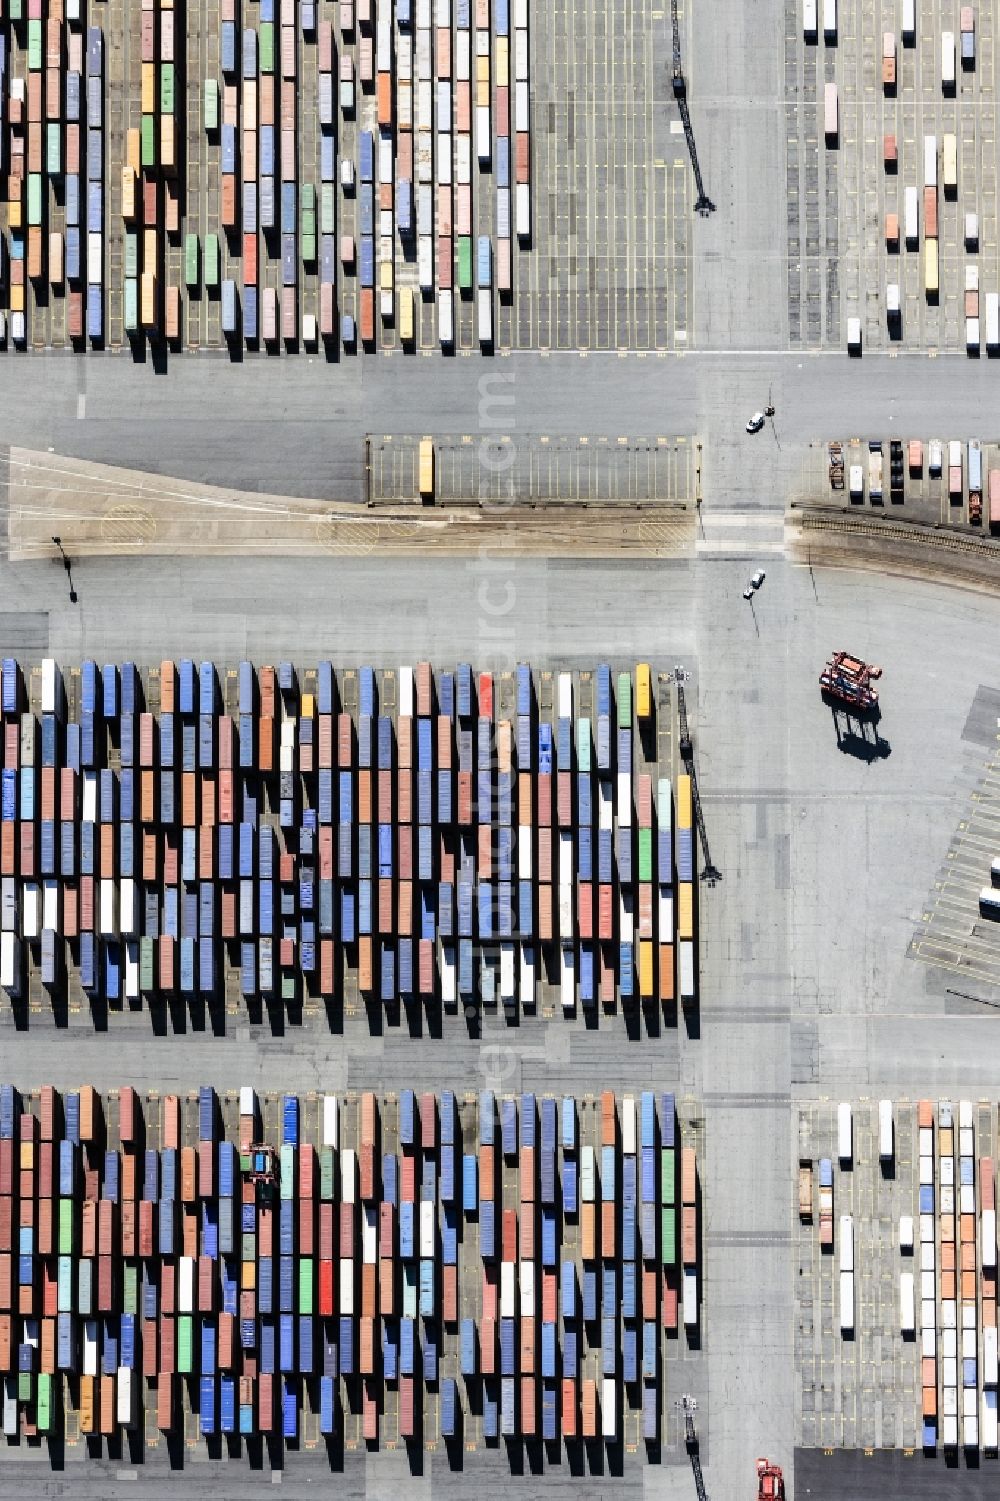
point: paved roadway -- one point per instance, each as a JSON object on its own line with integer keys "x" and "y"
{"x": 298, "y": 428}
{"x": 826, "y": 863}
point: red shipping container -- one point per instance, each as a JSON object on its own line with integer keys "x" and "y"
{"x": 6, "y": 1223}
{"x": 406, "y": 1406}
{"x": 127, "y": 1243}
{"x": 527, "y": 1351}
{"x": 503, "y": 111}
{"x": 105, "y": 1285}
{"x": 529, "y": 1404}
{"x": 669, "y": 1302}
{"x": 326, "y": 1289}
{"x": 369, "y": 1408}
{"x": 44, "y": 1232}
{"x": 428, "y": 1122}
{"x": 930, "y": 214}
{"x": 12, "y": 746}
{"x": 463, "y": 114}
{"x": 146, "y": 1210}
{"x": 107, "y": 1399}
{"x": 8, "y": 862}
{"x": 487, "y": 1347}
{"x": 544, "y": 839}
{"x": 265, "y": 1402}
{"x": 404, "y": 796}
{"x": 569, "y": 1407}
{"x": 589, "y": 1404}
{"x": 545, "y": 913}
{"x": 324, "y": 40}
{"x": 527, "y": 1232}
{"x": 206, "y": 1285}
{"x": 88, "y": 1229}
{"x": 426, "y": 966}
{"x": 508, "y": 1237}
{"x": 522, "y": 156}
{"x": 486, "y": 695}
{"x": 27, "y": 849}
{"x": 527, "y": 1176}
{"x": 486, "y": 1173}
{"x": 387, "y": 1287}
{"x": 605, "y": 921}
{"x": 449, "y": 1294}
{"x": 407, "y": 1178}
{"x": 346, "y": 1229}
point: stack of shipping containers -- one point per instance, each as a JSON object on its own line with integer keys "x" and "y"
{"x": 167, "y": 1259}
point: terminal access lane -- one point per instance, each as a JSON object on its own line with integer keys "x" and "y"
{"x": 298, "y": 427}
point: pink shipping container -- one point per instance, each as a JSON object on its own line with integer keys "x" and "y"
{"x": 487, "y": 1346}
{"x": 269, "y": 314}
{"x": 166, "y": 36}
{"x": 444, "y": 260}
{"x": 463, "y": 108}
{"x": 426, "y": 963}
{"x": 404, "y": 742}
{"x": 369, "y": 1410}
{"x": 428, "y": 1122}
{"x": 406, "y": 1424}
{"x": 288, "y": 52}
{"x": 503, "y": 266}
{"x": 544, "y": 795}
{"x": 424, "y": 689}
{"x": 404, "y": 796}
{"x": 503, "y": 111}
{"x": 444, "y": 743}
{"x": 324, "y": 40}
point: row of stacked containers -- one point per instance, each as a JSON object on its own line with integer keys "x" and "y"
{"x": 430, "y": 847}
{"x": 433, "y": 105}
{"x": 522, "y": 1259}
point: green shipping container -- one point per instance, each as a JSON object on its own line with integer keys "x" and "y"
{"x": 245, "y": 1160}
{"x": 265, "y": 47}
{"x": 583, "y": 744}
{"x": 305, "y": 1285}
{"x": 645, "y": 854}
{"x": 287, "y": 1170}
{"x": 43, "y": 1403}
{"x": 191, "y": 260}
{"x": 24, "y": 1386}
{"x": 211, "y": 104}
{"x": 212, "y": 280}
{"x": 148, "y": 153}
{"x": 669, "y": 1237}
{"x": 34, "y": 198}
{"x": 288, "y": 987}
{"x": 145, "y": 964}
{"x": 132, "y": 269}
{"x": 249, "y": 1248}
{"x": 465, "y": 263}
{"x": 624, "y": 701}
{"x": 327, "y": 209}
{"x": 667, "y": 1175}
{"x": 185, "y": 1344}
{"x": 308, "y": 249}
{"x": 131, "y": 304}
{"x": 326, "y": 1174}
{"x": 130, "y": 1288}
{"x": 65, "y": 1227}
{"x": 15, "y": 10}
{"x": 166, "y": 88}
{"x": 53, "y": 149}
{"x": 85, "y": 1304}
{"x": 34, "y": 46}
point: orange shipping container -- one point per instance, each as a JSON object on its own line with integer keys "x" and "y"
{"x": 588, "y": 1238}
{"x": 930, "y": 214}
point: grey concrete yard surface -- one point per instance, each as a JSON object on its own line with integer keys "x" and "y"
{"x": 826, "y": 862}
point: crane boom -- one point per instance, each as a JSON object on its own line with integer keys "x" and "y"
{"x": 703, "y": 204}
{"x": 709, "y": 872}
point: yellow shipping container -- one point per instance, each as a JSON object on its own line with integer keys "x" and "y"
{"x": 483, "y": 94}
{"x": 426, "y": 466}
{"x": 27, "y": 1156}
{"x": 931, "y": 287}
{"x": 646, "y": 968}
{"x": 949, "y": 159}
{"x": 385, "y": 276}
{"x": 503, "y": 59}
{"x": 683, "y": 802}
{"x": 308, "y": 706}
{"x": 86, "y": 1404}
{"x": 150, "y": 250}
{"x": 482, "y": 70}
{"x": 406, "y": 314}
{"x": 17, "y": 299}
{"x": 248, "y": 1276}
{"x": 685, "y": 910}
{"x": 147, "y": 92}
{"x": 14, "y": 213}
{"x": 133, "y": 150}
{"x": 147, "y": 297}
{"x": 55, "y": 258}
{"x": 643, "y": 691}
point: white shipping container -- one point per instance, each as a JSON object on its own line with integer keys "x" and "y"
{"x": 565, "y": 695}
{"x": 132, "y": 969}
{"x": 567, "y": 973}
{"x": 520, "y": 56}
{"x": 972, "y": 231}
{"x": 331, "y": 1121}
{"x": 907, "y": 1312}
{"x": 990, "y": 1355}
{"x": 628, "y": 1125}
{"x": 967, "y": 1199}
{"x": 369, "y": 1234}
{"x": 51, "y": 676}
{"x": 463, "y": 57}
{"x": 90, "y": 797}
{"x": 526, "y": 1275}
{"x": 623, "y": 801}
{"x": 442, "y": 112}
{"x": 185, "y": 1284}
{"x": 484, "y": 142}
{"x": 854, "y": 335}
{"x": 508, "y": 1290}
{"x": 349, "y": 1175}
{"x": 928, "y": 1255}
{"x": 949, "y": 1432}
{"x": 989, "y": 1424}
{"x": 446, "y": 317}
{"x": 125, "y": 1403}
{"x": 449, "y": 991}
{"x": 856, "y": 482}
{"x": 129, "y": 912}
{"x": 565, "y": 858}
{"x": 527, "y": 978}
{"x": 406, "y": 692}
{"x": 925, "y": 1171}
{"x": 690, "y": 1297}
{"x": 609, "y": 1407}
{"x": 845, "y": 1132}
{"x": 605, "y": 807}
{"x": 992, "y": 320}
{"x": 50, "y": 906}
{"x": 972, "y": 335}
{"x": 847, "y": 1302}
{"x": 809, "y": 20}
{"x": 31, "y": 910}
{"x": 522, "y": 210}
{"x": 885, "y": 1131}
{"x": 484, "y": 315}
{"x": 925, "y": 1141}
{"x": 988, "y": 1239}
{"x": 969, "y": 1403}
{"x": 911, "y": 217}
{"x": 90, "y": 1351}
{"x": 846, "y": 1243}
{"x": 10, "y": 963}
{"x": 425, "y": 262}
{"x": 949, "y": 1367}
{"x": 666, "y": 914}
{"x": 906, "y": 1234}
{"x": 425, "y": 209}
{"x": 909, "y": 26}
{"x": 686, "y": 969}
{"x": 522, "y": 107}
{"x": 109, "y": 904}
{"x": 347, "y": 1284}
{"x": 928, "y": 1312}
{"x": 971, "y": 285}
{"x": 626, "y": 915}
{"x": 520, "y": 14}
{"x": 587, "y": 1175}
{"x": 949, "y": 1344}
{"x": 947, "y": 60}
{"x": 428, "y": 1210}
{"x": 926, "y": 1285}
{"x": 830, "y": 19}
{"x": 930, "y": 161}
{"x": 508, "y": 975}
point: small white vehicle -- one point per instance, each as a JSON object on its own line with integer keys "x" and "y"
{"x": 756, "y": 422}
{"x": 758, "y": 578}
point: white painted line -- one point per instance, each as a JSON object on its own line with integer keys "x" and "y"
{"x": 81, "y": 406}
